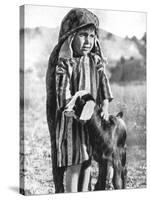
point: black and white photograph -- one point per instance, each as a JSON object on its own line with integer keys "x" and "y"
{"x": 82, "y": 100}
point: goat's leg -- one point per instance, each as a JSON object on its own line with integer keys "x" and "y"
{"x": 124, "y": 177}
{"x": 117, "y": 179}
{"x": 101, "y": 182}
{"x": 110, "y": 174}
{"x": 124, "y": 169}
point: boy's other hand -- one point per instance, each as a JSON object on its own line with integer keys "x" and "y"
{"x": 104, "y": 113}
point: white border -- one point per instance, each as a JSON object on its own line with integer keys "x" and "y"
{"x": 9, "y": 100}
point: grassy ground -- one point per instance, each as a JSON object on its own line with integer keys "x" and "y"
{"x": 36, "y": 158}
{"x": 131, "y": 99}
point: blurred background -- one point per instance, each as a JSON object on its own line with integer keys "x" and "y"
{"x": 123, "y": 40}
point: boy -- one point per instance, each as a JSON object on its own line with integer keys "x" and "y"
{"x": 78, "y": 63}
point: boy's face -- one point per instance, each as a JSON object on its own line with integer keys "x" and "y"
{"x": 84, "y": 41}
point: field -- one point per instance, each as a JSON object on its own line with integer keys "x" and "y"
{"x": 35, "y": 145}
{"x": 131, "y": 99}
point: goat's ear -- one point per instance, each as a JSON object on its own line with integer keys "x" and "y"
{"x": 120, "y": 114}
{"x": 87, "y": 111}
{"x": 112, "y": 119}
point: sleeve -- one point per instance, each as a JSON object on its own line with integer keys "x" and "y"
{"x": 104, "y": 90}
{"x": 63, "y": 93}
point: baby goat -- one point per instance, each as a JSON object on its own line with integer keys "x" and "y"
{"x": 108, "y": 140}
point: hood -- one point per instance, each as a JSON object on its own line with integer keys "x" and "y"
{"x": 77, "y": 18}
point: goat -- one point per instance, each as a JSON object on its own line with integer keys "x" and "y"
{"x": 108, "y": 140}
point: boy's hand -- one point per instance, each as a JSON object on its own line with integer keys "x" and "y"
{"x": 104, "y": 113}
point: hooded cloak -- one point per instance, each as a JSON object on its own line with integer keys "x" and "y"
{"x": 64, "y": 79}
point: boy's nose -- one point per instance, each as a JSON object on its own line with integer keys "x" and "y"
{"x": 87, "y": 40}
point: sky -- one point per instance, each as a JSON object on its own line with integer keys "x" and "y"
{"x": 121, "y": 23}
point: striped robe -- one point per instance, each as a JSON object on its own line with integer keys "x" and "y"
{"x": 72, "y": 75}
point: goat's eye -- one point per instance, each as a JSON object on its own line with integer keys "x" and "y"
{"x": 74, "y": 107}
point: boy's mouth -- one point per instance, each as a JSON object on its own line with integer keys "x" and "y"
{"x": 86, "y": 48}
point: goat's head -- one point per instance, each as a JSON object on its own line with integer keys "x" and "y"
{"x": 103, "y": 133}
{"x": 81, "y": 106}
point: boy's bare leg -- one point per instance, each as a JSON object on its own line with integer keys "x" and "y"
{"x": 86, "y": 179}
{"x": 85, "y": 174}
{"x": 72, "y": 177}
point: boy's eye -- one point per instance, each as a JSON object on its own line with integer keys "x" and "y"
{"x": 86, "y": 35}
{"x": 82, "y": 34}
{"x": 92, "y": 36}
